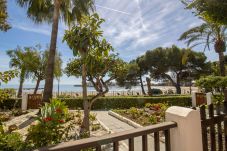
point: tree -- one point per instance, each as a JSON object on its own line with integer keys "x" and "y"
{"x": 208, "y": 34}
{"x": 52, "y": 11}
{"x": 5, "y": 77}
{"x": 135, "y": 69}
{"x": 84, "y": 40}
{"x": 213, "y": 10}
{"x": 100, "y": 72}
{"x": 19, "y": 59}
{"x": 171, "y": 64}
{"x": 38, "y": 65}
{"x": 4, "y": 25}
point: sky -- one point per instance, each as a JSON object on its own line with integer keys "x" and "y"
{"x": 132, "y": 27}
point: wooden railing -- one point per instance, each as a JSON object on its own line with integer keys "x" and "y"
{"x": 97, "y": 142}
{"x": 214, "y": 127}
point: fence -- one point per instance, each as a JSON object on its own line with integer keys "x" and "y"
{"x": 214, "y": 127}
{"x": 97, "y": 142}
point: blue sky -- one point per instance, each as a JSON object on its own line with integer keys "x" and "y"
{"x": 132, "y": 27}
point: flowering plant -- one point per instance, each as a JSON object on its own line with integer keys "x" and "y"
{"x": 51, "y": 128}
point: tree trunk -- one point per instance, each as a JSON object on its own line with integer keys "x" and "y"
{"x": 149, "y": 86}
{"x": 221, "y": 63}
{"x": 19, "y": 94}
{"x": 48, "y": 88}
{"x": 86, "y": 105}
{"x": 142, "y": 87}
{"x": 178, "y": 88}
{"x": 37, "y": 86}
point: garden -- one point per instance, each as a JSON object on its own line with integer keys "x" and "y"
{"x": 52, "y": 124}
{"x": 94, "y": 60}
{"x": 148, "y": 115}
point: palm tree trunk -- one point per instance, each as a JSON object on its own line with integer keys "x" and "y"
{"x": 142, "y": 87}
{"x": 178, "y": 88}
{"x": 221, "y": 63}
{"x": 48, "y": 88}
{"x": 19, "y": 94}
{"x": 86, "y": 105}
{"x": 37, "y": 86}
{"x": 22, "y": 76}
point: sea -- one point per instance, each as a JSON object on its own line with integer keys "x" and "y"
{"x": 70, "y": 88}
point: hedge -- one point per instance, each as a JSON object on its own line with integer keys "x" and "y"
{"x": 128, "y": 102}
{"x": 10, "y": 103}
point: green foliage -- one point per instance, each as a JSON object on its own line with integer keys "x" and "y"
{"x": 10, "y": 103}
{"x": 207, "y": 34}
{"x": 212, "y": 83}
{"x": 4, "y": 117}
{"x": 43, "y": 10}
{"x": 39, "y": 63}
{"x": 4, "y": 25}
{"x": 160, "y": 62}
{"x": 212, "y": 10}
{"x": 5, "y": 77}
{"x": 8, "y": 75}
{"x": 133, "y": 73}
{"x": 150, "y": 114}
{"x": 128, "y": 102}
{"x": 85, "y": 37}
{"x": 11, "y": 141}
{"x": 156, "y": 91}
{"x": 50, "y": 129}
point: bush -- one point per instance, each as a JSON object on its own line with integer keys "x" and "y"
{"x": 156, "y": 91}
{"x": 11, "y": 141}
{"x": 50, "y": 129}
{"x": 128, "y": 102}
{"x": 10, "y": 103}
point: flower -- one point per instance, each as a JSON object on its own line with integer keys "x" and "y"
{"x": 47, "y": 119}
{"x": 58, "y": 110}
{"x": 61, "y": 121}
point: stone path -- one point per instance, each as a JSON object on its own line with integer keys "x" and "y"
{"x": 115, "y": 126}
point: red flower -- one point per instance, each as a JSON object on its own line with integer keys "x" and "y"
{"x": 47, "y": 119}
{"x": 61, "y": 121}
{"x": 58, "y": 110}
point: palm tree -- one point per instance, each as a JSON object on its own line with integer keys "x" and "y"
{"x": 19, "y": 60}
{"x": 52, "y": 11}
{"x": 38, "y": 65}
{"x": 209, "y": 34}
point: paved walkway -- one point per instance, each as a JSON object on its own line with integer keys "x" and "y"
{"x": 115, "y": 126}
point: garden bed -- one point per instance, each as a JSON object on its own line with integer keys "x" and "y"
{"x": 150, "y": 114}
{"x": 22, "y": 123}
{"x": 54, "y": 124}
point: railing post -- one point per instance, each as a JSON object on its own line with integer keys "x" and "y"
{"x": 187, "y": 136}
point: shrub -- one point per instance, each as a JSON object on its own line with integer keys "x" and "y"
{"x": 156, "y": 91}
{"x": 10, "y": 103}
{"x": 50, "y": 129}
{"x": 11, "y": 141}
{"x": 128, "y": 102}
{"x": 4, "y": 117}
